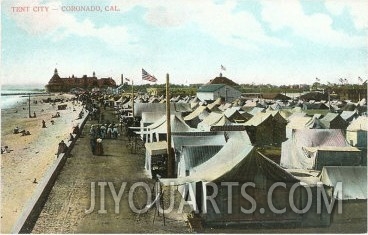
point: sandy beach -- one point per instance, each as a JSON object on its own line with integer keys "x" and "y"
{"x": 30, "y": 156}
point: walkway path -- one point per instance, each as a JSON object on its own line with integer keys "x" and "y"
{"x": 64, "y": 212}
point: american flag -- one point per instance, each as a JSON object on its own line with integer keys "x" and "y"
{"x": 223, "y": 68}
{"x": 127, "y": 79}
{"x": 147, "y": 76}
{"x": 360, "y": 79}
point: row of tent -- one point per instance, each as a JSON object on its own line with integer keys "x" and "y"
{"x": 264, "y": 126}
{"x": 321, "y": 148}
{"x": 303, "y": 103}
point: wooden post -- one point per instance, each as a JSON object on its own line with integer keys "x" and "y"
{"x": 329, "y": 99}
{"x": 29, "y": 105}
{"x": 132, "y": 98}
{"x": 168, "y": 130}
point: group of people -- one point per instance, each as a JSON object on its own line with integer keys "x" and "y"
{"x": 98, "y": 133}
{"x": 57, "y": 115}
{"x": 106, "y": 131}
{"x": 17, "y": 130}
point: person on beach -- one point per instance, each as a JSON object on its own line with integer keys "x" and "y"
{"x": 71, "y": 137}
{"x": 16, "y": 130}
{"x": 76, "y": 130}
{"x": 24, "y": 133}
{"x": 5, "y": 150}
{"x": 43, "y": 124}
{"x": 62, "y": 148}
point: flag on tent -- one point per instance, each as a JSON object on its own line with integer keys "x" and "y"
{"x": 360, "y": 79}
{"x": 223, "y": 68}
{"x": 127, "y": 79}
{"x": 147, "y": 76}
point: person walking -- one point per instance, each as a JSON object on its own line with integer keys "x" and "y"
{"x": 99, "y": 147}
{"x": 92, "y": 139}
{"x": 108, "y": 133}
{"x": 115, "y": 132}
{"x": 103, "y": 131}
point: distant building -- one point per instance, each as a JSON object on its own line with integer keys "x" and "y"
{"x": 222, "y": 80}
{"x": 220, "y": 87}
{"x": 57, "y": 83}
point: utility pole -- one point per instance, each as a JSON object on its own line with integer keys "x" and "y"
{"x": 329, "y": 99}
{"x": 132, "y": 99}
{"x": 29, "y": 104}
{"x": 170, "y": 165}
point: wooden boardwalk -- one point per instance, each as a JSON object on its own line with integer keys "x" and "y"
{"x": 65, "y": 209}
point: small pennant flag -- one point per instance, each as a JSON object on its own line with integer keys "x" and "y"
{"x": 147, "y": 76}
{"x": 127, "y": 79}
{"x": 360, "y": 79}
{"x": 223, "y": 68}
{"x": 317, "y": 79}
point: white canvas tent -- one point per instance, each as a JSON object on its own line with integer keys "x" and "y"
{"x": 353, "y": 179}
{"x": 231, "y": 155}
{"x": 213, "y": 119}
{"x": 308, "y": 147}
{"x": 160, "y": 127}
{"x": 154, "y": 151}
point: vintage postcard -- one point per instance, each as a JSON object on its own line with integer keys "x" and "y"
{"x": 184, "y": 116}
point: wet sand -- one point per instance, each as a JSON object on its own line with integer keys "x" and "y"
{"x": 32, "y": 155}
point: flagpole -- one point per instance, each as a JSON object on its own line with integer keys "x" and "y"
{"x": 170, "y": 164}
{"x": 132, "y": 99}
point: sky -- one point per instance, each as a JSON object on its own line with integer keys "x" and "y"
{"x": 262, "y": 42}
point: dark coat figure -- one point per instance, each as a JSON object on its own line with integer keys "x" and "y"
{"x": 16, "y": 130}
{"x": 71, "y": 137}
{"x": 76, "y": 130}
{"x": 43, "y": 124}
{"x": 99, "y": 147}
{"x": 92, "y": 139}
{"x": 62, "y": 148}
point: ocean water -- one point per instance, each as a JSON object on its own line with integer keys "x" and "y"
{"x": 15, "y": 94}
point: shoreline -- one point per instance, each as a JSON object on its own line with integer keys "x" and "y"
{"x": 30, "y": 156}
